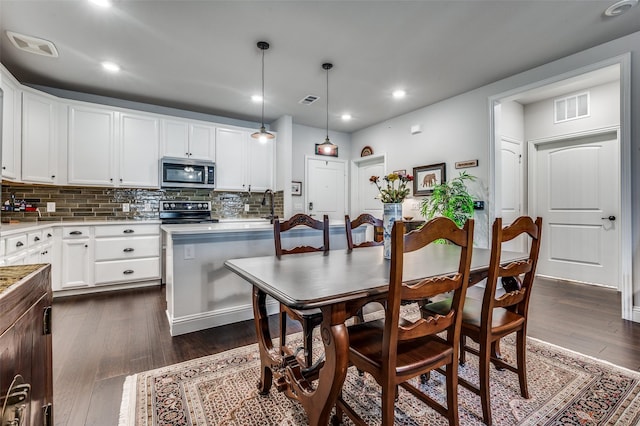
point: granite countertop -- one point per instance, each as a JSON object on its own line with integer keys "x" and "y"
{"x": 229, "y": 226}
{"x": 10, "y": 275}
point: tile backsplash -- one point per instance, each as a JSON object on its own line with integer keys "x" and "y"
{"x": 75, "y": 203}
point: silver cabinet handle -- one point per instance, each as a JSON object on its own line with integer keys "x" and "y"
{"x": 36, "y": 238}
{"x": 19, "y": 244}
{"x": 128, "y": 250}
{"x": 75, "y": 233}
{"x": 128, "y": 231}
{"x": 128, "y": 271}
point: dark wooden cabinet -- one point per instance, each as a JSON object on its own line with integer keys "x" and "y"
{"x": 25, "y": 344}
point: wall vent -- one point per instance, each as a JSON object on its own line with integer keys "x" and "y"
{"x": 33, "y": 45}
{"x": 572, "y": 107}
{"x": 308, "y": 100}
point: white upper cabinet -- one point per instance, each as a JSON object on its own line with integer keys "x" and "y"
{"x": 231, "y": 159}
{"x": 185, "y": 139}
{"x": 91, "y": 145}
{"x": 243, "y": 163}
{"x": 39, "y": 138}
{"x": 139, "y": 150}
{"x": 261, "y": 164}
{"x": 11, "y": 126}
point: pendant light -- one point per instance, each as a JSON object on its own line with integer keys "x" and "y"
{"x": 262, "y": 135}
{"x": 327, "y": 147}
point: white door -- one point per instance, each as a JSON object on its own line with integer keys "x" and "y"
{"x": 326, "y": 188}
{"x": 368, "y": 201}
{"x": 577, "y": 191}
{"x": 511, "y": 188}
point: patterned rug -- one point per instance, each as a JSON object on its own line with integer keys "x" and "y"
{"x": 566, "y": 388}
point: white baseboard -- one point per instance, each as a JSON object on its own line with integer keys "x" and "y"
{"x": 104, "y": 288}
{"x": 636, "y": 314}
{"x": 204, "y": 320}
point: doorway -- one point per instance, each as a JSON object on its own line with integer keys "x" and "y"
{"x": 572, "y": 82}
{"x": 364, "y": 198}
{"x": 326, "y": 187}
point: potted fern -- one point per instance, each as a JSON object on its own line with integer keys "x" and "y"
{"x": 450, "y": 199}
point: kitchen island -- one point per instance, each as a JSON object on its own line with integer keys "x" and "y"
{"x": 201, "y": 293}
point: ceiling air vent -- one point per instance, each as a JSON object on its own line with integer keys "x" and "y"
{"x": 33, "y": 45}
{"x": 308, "y": 100}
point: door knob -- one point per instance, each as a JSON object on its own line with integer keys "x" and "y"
{"x": 611, "y": 218}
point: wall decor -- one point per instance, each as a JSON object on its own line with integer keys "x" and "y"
{"x": 324, "y": 149}
{"x": 466, "y": 164}
{"x": 296, "y": 188}
{"x": 400, "y": 172}
{"x": 426, "y": 177}
{"x": 367, "y": 150}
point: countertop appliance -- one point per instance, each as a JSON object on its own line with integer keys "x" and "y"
{"x": 175, "y": 212}
{"x": 186, "y": 173}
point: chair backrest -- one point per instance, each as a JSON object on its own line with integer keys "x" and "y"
{"x": 301, "y": 220}
{"x": 363, "y": 219}
{"x": 397, "y": 331}
{"x": 521, "y": 273}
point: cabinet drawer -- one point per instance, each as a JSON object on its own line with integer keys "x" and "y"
{"x": 127, "y": 248}
{"x": 127, "y": 230}
{"x": 34, "y": 238}
{"x": 127, "y": 270}
{"x": 16, "y": 243}
{"x": 75, "y": 231}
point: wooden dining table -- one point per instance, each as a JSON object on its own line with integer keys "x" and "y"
{"x": 339, "y": 283}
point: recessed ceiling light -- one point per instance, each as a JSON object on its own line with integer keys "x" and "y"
{"x": 256, "y": 98}
{"x": 398, "y": 94}
{"x": 101, "y": 3}
{"x": 110, "y": 66}
{"x": 620, "y": 7}
{"x": 346, "y": 117}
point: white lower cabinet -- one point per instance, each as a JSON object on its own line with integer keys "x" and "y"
{"x": 77, "y": 257}
{"x": 125, "y": 253}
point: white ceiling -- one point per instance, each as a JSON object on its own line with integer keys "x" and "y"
{"x": 202, "y": 55}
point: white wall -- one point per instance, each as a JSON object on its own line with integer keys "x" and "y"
{"x": 305, "y": 139}
{"x": 458, "y": 128}
{"x": 284, "y": 142}
{"x": 604, "y": 112}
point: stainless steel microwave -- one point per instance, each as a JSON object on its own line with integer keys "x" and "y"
{"x": 186, "y": 173}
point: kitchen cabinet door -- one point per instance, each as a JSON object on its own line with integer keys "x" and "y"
{"x": 202, "y": 142}
{"x": 139, "y": 150}
{"x": 231, "y": 159}
{"x": 76, "y": 263}
{"x": 39, "y": 138}
{"x": 11, "y": 127}
{"x": 261, "y": 164}
{"x": 91, "y": 139}
{"x": 175, "y": 138}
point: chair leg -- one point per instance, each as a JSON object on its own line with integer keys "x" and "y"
{"x": 485, "y": 394}
{"x": 495, "y": 353}
{"x": 452, "y": 393}
{"x": 521, "y": 349}
{"x": 389, "y": 392}
{"x": 336, "y": 419}
{"x": 463, "y": 351}
{"x": 283, "y": 330}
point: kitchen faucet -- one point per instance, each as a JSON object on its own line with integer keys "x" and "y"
{"x": 271, "y": 207}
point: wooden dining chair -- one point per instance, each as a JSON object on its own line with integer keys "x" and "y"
{"x": 495, "y": 316}
{"x": 363, "y": 220}
{"x": 395, "y": 349}
{"x": 310, "y": 318}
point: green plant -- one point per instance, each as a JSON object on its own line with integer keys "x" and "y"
{"x": 450, "y": 199}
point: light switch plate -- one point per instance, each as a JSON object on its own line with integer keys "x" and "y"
{"x": 125, "y": 207}
{"x": 189, "y": 251}
{"x": 246, "y": 207}
{"x": 51, "y": 207}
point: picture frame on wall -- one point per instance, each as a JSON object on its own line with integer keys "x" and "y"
{"x": 296, "y": 188}
{"x": 426, "y": 177}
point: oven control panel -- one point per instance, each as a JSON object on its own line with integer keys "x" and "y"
{"x": 185, "y": 206}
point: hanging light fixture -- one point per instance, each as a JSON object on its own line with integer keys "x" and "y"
{"x": 326, "y": 147}
{"x": 262, "y": 135}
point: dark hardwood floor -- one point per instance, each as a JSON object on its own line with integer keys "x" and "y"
{"x": 100, "y": 339}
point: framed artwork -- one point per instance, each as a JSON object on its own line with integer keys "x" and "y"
{"x": 466, "y": 164}
{"x": 330, "y": 151}
{"x": 426, "y": 177}
{"x": 366, "y": 151}
{"x": 400, "y": 172}
{"x": 296, "y": 188}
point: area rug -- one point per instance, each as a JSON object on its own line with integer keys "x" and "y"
{"x": 566, "y": 389}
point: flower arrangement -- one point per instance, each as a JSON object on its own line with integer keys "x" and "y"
{"x": 390, "y": 193}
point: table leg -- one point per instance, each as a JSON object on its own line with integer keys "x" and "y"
{"x": 319, "y": 402}
{"x": 265, "y": 344}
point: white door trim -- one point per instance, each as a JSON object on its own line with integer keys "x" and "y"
{"x": 306, "y": 179}
{"x": 629, "y": 312}
{"x": 355, "y": 164}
